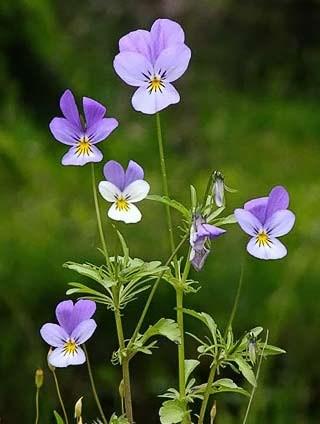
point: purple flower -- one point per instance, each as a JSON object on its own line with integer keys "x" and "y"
{"x": 82, "y": 137}
{"x": 151, "y": 60}
{"x": 265, "y": 219}
{"x": 200, "y": 234}
{"x": 123, "y": 189}
{"x": 75, "y": 328}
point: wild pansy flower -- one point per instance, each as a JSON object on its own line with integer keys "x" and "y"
{"x": 75, "y": 328}
{"x": 265, "y": 219}
{"x": 123, "y": 189}
{"x": 151, "y": 60}
{"x": 200, "y": 234}
{"x": 82, "y": 136}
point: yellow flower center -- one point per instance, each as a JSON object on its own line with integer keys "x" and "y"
{"x": 83, "y": 147}
{"x": 70, "y": 347}
{"x": 263, "y": 239}
{"x": 122, "y": 204}
{"x": 155, "y": 83}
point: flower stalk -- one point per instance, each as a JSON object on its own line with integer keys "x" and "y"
{"x": 117, "y": 314}
{"x": 59, "y": 395}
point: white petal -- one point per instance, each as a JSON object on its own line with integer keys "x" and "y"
{"x": 280, "y": 223}
{"x": 108, "y": 191}
{"x": 136, "y": 191}
{"x": 150, "y": 103}
{"x": 60, "y": 359}
{"x": 274, "y": 250}
{"x": 131, "y": 216}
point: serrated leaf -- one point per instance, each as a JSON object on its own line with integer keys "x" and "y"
{"x": 164, "y": 327}
{"x": 171, "y": 412}
{"x": 222, "y": 385}
{"x": 58, "y": 418}
{"x": 170, "y": 202}
{"x": 246, "y": 371}
{"x": 189, "y": 366}
{"x": 205, "y": 318}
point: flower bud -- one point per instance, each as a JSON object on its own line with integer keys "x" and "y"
{"x": 51, "y": 367}
{"x": 78, "y": 410}
{"x": 38, "y": 378}
{"x": 213, "y": 412}
{"x": 218, "y": 188}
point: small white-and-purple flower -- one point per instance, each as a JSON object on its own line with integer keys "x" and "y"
{"x": 265, "y": 219}
{"x": 200, "y": 234}
{"x": 75, "y": 328}
{"x": 152, "y": 60}
{"x": 82, "y": 137}
{"x": 123, "y": 189}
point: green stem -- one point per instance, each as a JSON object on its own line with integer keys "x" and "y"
{"x": 37, "y": 406}
{"x": 93, "y": 386}
{"x": 257, "y": 377}
{"x": 217, "y": 359}
{"x": 60, "y": 397}
{"x": 125, "y": 361}
{"x": 166, "y": 189}
{"x": 152, "y": 292}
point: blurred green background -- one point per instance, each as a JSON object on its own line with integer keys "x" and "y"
{"x": 249, "y": 107}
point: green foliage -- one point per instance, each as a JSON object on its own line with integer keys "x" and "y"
{"x": 118, "y": 420}
{"x": 171, "y": 412}
{"x": 58, "y": 418}
{"x": 172, "y": 203}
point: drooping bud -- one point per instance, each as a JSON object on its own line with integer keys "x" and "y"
{"x": 51, "y": 367}
{"x": 78, "y": 410}
{"x": 213, "y": 412}
{"x": 218, "y": 188}
{"x": 38, "y": 378}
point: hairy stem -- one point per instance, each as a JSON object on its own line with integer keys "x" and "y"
{"x": 60, "y": 397}
{"x": 216, "y": 361}
{"x": 117, "y": 315}
{"x": 93, "y": 386}
{"x": 153, "y": 290}
{"x": 257, "y": 377}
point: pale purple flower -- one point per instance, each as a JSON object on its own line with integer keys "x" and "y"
{"x": 200, "y": 234}
{"x": 75, "y": 328}
{"x": 152, "y": 60}
{"x": 81, "y": 136}
{"x": 265, "y": 219}
{"x": 123, "y": 189}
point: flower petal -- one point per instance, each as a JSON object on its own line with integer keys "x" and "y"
{"x": 64, "y": 131}
{"x": 64, "y": 314}
{"x": 134, "y": 172}
{"x": 93, "y": 111}
{"x": 150, "y": 103}
{"x": 136, "y": 191}
{"x": 278, "y": 199}
{"x": 60, "y": 359}
{"x": 247, "y": 221}
{"x": 69, "y": 109}
{"x": 210, "y": 231}
{"x": 133, "y": 68}
{"x": 73, "y": 158}
{"x": 137, "y": 41}
{"x": 53, "y": 334}
{"x": 101, "y": 129}
{"x": 273, "y": 250}
{"x": 165, "y": 33}
{"x": 82, "y": 311}
{"x": 280, "y": 223}
{"x": 198, "y": 258}
{"x": 257, "y": 207}
{"x": 109, "y": 191}
{"x": 130, "y": 216}
{"x": 174, "y": 61}
{"x": 83, "y": 331}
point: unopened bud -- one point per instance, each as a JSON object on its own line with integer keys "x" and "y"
{"x": 78, "y": 410}
{"x": 121, "y": 389}
{"x": 218, "y": 188}
{"x": 38, "y": 378}
{"x": 213, "y": 412}
{"x": 51, "y": 367}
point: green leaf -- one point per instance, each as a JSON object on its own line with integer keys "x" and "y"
{"x": 189, "y": 366}
{"x": 58, "y": 418}
{"x": 170, "y": 202}
{"x": 214, "y": 214}
{"x": 221, "y": 386}
{"x": 230, "y": 219}
{"x": 124, "y": 246}
{"x": 118, "y": 420}
{"x": 164, "y": 327}
{"x": 246, "y": 371}
{"x": 205, "y": 318}
{"x": 171, "y": 412}
{"x": 271, "y": 350}
{"x": 193, "y": 198}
